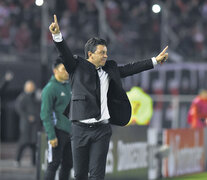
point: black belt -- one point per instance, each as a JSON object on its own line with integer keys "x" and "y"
{"x": 91, "y": 125}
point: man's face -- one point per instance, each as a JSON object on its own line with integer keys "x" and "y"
{"x": 29, "y": 87}
{"x": 61, "y": 73}
{"x": 99, "y": 57}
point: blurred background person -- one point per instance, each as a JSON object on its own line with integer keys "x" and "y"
{"x": 27, "y": 107}
{"x": 3, "y": 84}
{"x": 5, "y": 81}
{"x": 197, "y": 115}
{"x": 55, "y": 98}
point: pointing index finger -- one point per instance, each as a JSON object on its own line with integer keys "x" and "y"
{"x": 165, "y": 50}
{"x": 55, "y": 19}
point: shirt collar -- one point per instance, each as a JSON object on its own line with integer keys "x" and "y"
{"x": 54, "y": 79}
{"x": 99, "y": 68}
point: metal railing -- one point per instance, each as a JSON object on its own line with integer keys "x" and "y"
{"x": 175, "y": 101}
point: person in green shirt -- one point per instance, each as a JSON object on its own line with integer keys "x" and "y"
{"x": 55, "y": 98}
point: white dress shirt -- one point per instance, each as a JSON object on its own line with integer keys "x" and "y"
{"x": 104, "y": 86}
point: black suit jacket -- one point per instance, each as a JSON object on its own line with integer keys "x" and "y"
{"x": 85, "y": 86}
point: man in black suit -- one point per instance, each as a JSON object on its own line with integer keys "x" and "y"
{"x": 98, "y": 100}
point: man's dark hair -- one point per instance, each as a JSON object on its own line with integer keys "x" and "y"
{"x": 56, "y": 62}
{"x": 92, "y": 43}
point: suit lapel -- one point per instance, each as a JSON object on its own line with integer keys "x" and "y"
{"x": 98, "y": 95}
{"x": 108, "y": 69}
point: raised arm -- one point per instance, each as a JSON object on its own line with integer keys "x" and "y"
{"x": 68, "y": 60}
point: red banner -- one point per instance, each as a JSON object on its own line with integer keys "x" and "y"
{"x": 186, "y": 152}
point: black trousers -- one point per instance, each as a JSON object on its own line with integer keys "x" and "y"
{"x": 22, "y": 147}
{"x": 90, "y": 147}
{"x": 60, "y": 155}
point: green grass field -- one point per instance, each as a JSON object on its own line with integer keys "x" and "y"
{"x": 200, "y": 176}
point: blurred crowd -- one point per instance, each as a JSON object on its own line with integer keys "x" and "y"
{"x": 20, "y": 26}
{"x": 188, "y": 25}
{"x": 131, "y": 26}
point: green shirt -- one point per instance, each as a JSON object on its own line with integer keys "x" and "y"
{"x": 55, "y": 98}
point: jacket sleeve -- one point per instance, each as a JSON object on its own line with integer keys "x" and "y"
{"x": 135, "y": 67}
{"x": 46, "y": 113}
{"x": 68, "y": 60}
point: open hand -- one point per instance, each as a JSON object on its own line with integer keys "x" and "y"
{"x": 163, "y": 56}
{"x": 54, "y": 27}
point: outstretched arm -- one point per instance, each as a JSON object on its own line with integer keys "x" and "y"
{"x": 68, "y": 60}
{"x": 137, "y": 67}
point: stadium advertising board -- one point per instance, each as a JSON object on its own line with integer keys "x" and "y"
{"x": 186, "y": 152}
{"x": 127, "y": 157}
{"x": 128, "y": 154}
